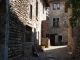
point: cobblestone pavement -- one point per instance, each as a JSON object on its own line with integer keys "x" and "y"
{"x": 54, "y": 53}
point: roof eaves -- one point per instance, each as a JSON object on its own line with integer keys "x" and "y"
{"x": 47, "y": 3}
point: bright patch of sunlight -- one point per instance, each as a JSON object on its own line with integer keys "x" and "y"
{"x": 55, "y": 47}
{"x": 70, "y": 52}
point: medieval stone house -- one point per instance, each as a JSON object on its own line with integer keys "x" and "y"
{"x": 57, "y": 29}
{"x": 22, "y": 27}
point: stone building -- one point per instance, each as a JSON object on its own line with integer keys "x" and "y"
{"x": 74, "y": 37}
{"x": 70, "y": 39}
{"x": 22, "y": 27}
{"x": 57, "y": 29}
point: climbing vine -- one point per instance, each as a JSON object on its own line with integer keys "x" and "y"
{"x": 75, "y": 5}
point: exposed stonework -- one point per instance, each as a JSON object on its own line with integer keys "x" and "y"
{"x": 74, "y": 38}
{"x": 45, "y": 42}
{"x": 70, "y": 39}
{"x": 62, "y": 29}
{"x": 19, "y": 22}
{"x": 20, "y": 11}
{"x": 22, "y": 27}
{"x": 76, "y": 41}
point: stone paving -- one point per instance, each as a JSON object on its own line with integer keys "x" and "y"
{"x": 54, "y": 53}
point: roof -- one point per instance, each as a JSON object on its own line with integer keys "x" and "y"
{"x": 47, "y": 3}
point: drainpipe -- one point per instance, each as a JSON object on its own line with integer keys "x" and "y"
{"x": 6, "y": 31}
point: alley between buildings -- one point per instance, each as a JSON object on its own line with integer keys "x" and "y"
{"x": 54, "y": 53}
{"x": 39, "y": 30}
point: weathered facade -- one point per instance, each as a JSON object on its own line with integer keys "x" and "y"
{"x": 73, "y": 37}
{"x": 57, "y": 29}
{"x": 70, "y": 39}
{"x": 75, "y": 42}
{"x": 22, "y": 28}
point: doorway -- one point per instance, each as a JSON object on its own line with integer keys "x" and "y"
{"x": 52, "y": 39}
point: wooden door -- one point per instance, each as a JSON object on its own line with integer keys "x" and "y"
{"x": 52, "y": 39}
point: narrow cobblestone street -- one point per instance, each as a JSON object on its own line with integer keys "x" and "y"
{"x": 54, "y": 53}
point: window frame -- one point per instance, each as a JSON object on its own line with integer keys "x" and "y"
{"x": 36, "y": 8}
{"x": 30, "y": 11}
{"x": 55, "y": 22}
{"x": 56, "y": 6}
{"x": 28, "y": 34}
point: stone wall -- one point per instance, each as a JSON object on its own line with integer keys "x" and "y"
{"x": 28, "y": 50}
{"x": 15, "y": 38}
{"x": 70, "y": 39}
{"x": 19, "y": 26}
{"x": 76, "y": 41}
{"x": 63, "y": 22}
{"x": 41, "y": 17}
{"x": 73, "y": 38}
{"x": 45, "y": 42}
{"x": 21, "y": 8}
{"x": 19, "y": 19}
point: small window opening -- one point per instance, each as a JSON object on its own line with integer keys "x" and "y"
{"x": 59, "y": 38}
{"x": 28, "y": 34}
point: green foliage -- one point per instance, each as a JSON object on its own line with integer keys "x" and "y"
{"x": 75, "y": 5}
{"x": 73, "y": 22}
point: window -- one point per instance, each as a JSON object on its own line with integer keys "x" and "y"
{"x": 30, "y": 11}
{"x": 43, "y": 8}
{"x": 36, "y": 9}
{"x": 28, "y": 34}
{"x": 56, "y": 6}
{"x": 55, "y": 22}
{"x": 59, "y": 38}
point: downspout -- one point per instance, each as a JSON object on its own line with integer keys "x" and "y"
{"x": 6, "y": 31}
